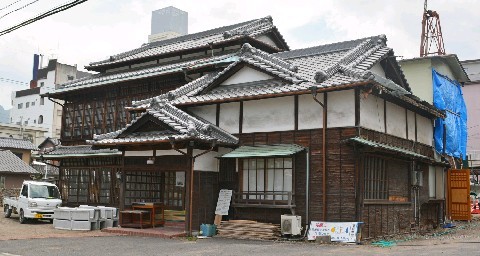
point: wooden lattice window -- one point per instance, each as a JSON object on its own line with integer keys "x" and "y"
{"x": 375, "y": 177}
{"x": 143, "y": 186}
{"x": 98, "y": 120}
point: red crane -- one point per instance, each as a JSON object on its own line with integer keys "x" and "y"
{"x": 431, "y": 33}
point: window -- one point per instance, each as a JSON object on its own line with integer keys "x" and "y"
{"x": 42, "y": 84}
{"x": 42, "y": 100}
{"x": 375, "y": 178}
{"x": 20, "y": 105}
{"x": 2, "y": 182}
{"x": 262, "y": 178}
{"x": 25, "y": 191}
{"x": 27, "y": 104}
{"x": 33, "y": 103}
{"x": 386, "y": 179}
{"x": 25, "y": 123}
{"x": 40, "y": 119}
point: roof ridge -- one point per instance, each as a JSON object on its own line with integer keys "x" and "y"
{"x": 349, "y": 57}
{"x": 249, "y": 25}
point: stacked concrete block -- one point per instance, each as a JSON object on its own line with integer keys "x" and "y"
{"x": 85, "y": 218}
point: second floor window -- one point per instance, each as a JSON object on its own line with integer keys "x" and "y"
{"x": 20, "y": 105}
{"x": 40, "y": 119}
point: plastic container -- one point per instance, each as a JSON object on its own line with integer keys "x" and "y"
{"x": 208, "y": 229}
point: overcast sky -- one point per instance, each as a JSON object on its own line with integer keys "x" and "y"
{"x": 97, "y": 29}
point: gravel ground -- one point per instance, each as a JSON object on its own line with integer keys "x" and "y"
{"x": 11, "y": 229}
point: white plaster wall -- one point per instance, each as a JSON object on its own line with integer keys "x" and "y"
{"x": 167, "y": 153}
{"x": 377, "y": 69}
{"x": 396, "y": 120}
{"x": 229, "y": 117}
{"x": 371, "y": 113}
{"x": 431, "y": 181}
{"x": 267, "y": 40}
{"x": 411, "y": 125}
{"x": 419, "y": 76}
{"x": 341, "y": 109}
{"x": 424, "y": 130}
{"x": 246, "y": 74}
{"x": 268, "y": 115}
{"x": 310, "y": 113}
{"x": 442, "y": 67}
{"x": 440, "y": 183}
{"x": 207, "y": 112}
{"x": 207, "y": 162}
{"x": 139, "y": 153}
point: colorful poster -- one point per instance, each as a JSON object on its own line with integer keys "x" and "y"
{"x": 338, "y": 231}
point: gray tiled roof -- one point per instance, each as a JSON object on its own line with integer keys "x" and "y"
{"x": 78, "y": 150}
{"x": 16, "y": 143}
{"x": 183, "y": 125}
{"x": 251, "y": 29}
{"x": 11, "y": 163}
{"x": 335, "y": 65}
{"x": 109, "y": 78}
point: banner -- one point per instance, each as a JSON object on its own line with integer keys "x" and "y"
{"x": 338, "y": 231}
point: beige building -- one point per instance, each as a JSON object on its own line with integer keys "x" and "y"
{"x": 35, "y": 135}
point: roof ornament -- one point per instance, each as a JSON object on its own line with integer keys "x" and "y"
{"x": 382, "y": 39}
{"x": 227, "y": 34}
{"x": 207, "y": 129}
{"x": 157, "y": 103}
{"x": 191, "y": 130}
{"x": 268, "y": 18}
{"x": 321, "y": 76}
{"x": 247, "y": 49}
{"x": 171, "y": 95}
{"x": 293, "y": 68}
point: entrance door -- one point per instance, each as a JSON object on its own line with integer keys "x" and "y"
{"x": 459, "y": 194}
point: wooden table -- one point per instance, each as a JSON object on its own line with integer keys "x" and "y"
{"x": 135, "y": 219}
{"x": 154, "y": 209}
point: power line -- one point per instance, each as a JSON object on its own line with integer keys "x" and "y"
{"x": 8, "y": 80}
{"x": 5, "y": 7}
{"x": 18, "y": 9}
{"x": 43, "y": 15}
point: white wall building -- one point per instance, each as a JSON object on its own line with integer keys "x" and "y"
{"x": 29, "y": 108}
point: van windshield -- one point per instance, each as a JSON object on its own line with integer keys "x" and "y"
{"x": 44, "y": 191}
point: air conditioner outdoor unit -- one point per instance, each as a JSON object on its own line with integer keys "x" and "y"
{"x": 291, "y": 225}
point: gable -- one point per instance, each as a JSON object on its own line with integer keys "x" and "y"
{"x": 148, "y": 123}
{"x": 268, "y": 40}
{"x": 245, "y": 75}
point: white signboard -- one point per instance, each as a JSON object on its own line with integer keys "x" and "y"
{"x": 223, "y": 203}
{"x": 180, "y": 179}
{"x": 338, "y": 231}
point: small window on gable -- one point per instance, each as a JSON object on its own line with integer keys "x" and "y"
{"x": 40, "y": 119}
{"x": 20, "y": 105}
{"x": 27, "y": 104}
{"x": 33, "y": 103}
{"x": 42, "y": 84}
{"x": 42, "y": 100}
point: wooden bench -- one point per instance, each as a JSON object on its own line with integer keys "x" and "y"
{"x": 264, "y": 200}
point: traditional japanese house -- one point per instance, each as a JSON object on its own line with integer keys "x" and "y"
{"x": 330, "y": 133}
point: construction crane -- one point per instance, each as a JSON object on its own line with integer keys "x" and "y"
{"x": 431, "y": 33}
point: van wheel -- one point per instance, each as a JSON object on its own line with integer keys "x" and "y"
{"x": 22, "y": 218}
{"x": 7, "y": 211}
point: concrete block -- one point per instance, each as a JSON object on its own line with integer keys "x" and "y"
{"x": 62, "y": 224}
{"x": 82, "y": 225}
{"x": 82, "y": 214}
{"x": 110, "y": 223}
{"x": 62, "y": 214}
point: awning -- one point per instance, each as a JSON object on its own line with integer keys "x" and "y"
{"x": 392, "y": 149}
{"x": 264, "y": 151}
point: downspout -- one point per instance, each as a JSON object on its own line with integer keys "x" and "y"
{"x": 313, "y": 90}
{"x": 307, "y": 192}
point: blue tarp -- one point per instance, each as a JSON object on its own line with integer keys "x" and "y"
{"x": 448, "y": 96}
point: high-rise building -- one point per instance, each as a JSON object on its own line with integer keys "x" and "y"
{"x": 168, "y": 22}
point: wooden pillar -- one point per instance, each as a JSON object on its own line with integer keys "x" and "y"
{"x": 121, "y": 196}
{"x": 189, "y": 190}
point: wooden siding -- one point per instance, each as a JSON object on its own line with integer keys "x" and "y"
{"x": 102, "y": 110}
{"x": 205, "y": 195}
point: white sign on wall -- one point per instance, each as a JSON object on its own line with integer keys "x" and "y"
{"x": 223, "y": 203}
{"x": 338, "y": 231}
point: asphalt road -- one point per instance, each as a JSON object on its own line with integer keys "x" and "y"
{"x": 125, "y": 245}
